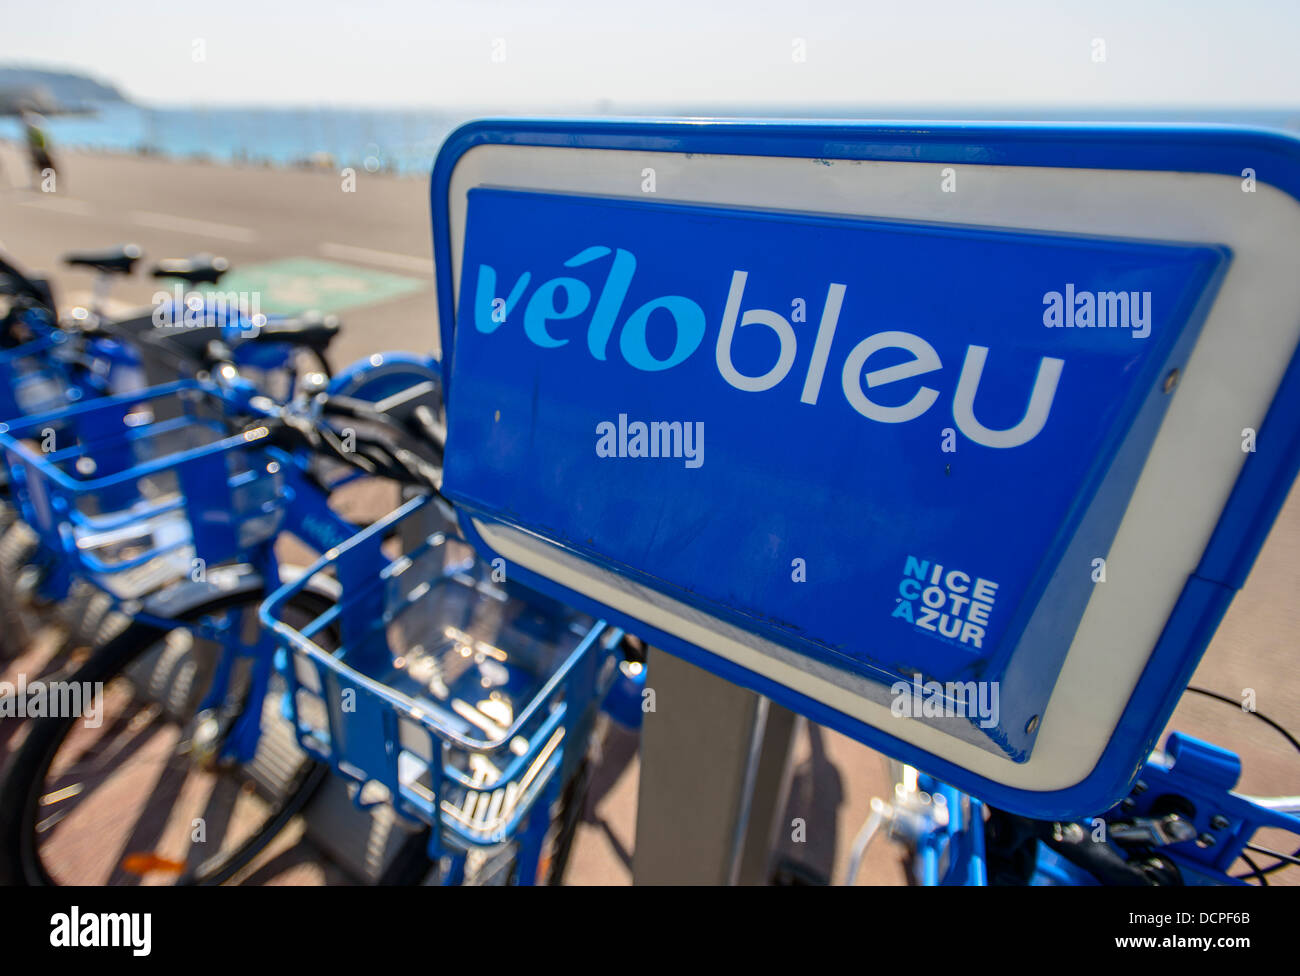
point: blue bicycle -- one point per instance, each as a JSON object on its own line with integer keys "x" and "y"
{"x": 460, "y": 699}
{"x": 47, "y": 363}
{"x": 90, "y": 354}
{"x": 1183, "y": 823}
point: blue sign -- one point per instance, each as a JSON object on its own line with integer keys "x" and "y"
{"x": 897, "y": 450}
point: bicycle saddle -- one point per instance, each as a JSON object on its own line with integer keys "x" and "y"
{"x": 19, "y": 283}
{"x": 197, "y": 269}
{"x": 311, "y": 329}
{"x": 113, "y": 260}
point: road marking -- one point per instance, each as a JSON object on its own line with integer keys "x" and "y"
{"x": 61, "y": 204}
{"x": 295, "y": 284}
{"x": 406, "y": 262}
{"x": 205, "y": 228}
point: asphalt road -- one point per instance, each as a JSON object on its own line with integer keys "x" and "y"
{"x": 253, "y": 215}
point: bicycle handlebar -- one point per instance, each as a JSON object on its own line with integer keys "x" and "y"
{"x": 376, "y": 444}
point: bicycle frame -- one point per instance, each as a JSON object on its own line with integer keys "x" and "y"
{"x": 1183, "y": 809}
{"x": 309, "y": 519}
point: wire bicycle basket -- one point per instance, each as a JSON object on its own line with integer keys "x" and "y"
{"x": 137, "y": 490}
{"x": 462, "y": 700}
{"x": 32, "y": 380}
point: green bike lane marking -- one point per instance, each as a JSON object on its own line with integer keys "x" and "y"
{"x": 294, "y": 285}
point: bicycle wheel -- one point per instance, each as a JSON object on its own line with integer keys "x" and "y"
{"x": 18, "y": 622}
{"x": 81, "y": 615}
{"x": 140, "y": 797}
{"x": 564, "y": 826}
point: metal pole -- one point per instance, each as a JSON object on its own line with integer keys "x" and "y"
{"x": 746, "y": 797}
{"x": 713, "y": 782}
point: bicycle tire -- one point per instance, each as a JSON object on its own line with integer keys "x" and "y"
{"x": 96, "y": 622}
{"x": 18, "y": 545}
{"x": 24, "y": 777}
{"x": 573, "y": 802}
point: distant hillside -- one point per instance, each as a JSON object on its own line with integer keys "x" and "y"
{"x": 69, "y": 90}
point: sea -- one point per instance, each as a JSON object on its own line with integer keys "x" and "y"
{"x": 396, "y": 141}
{"x": 406, "y": 141}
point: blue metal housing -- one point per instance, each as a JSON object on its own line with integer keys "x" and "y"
{"x": 554, "y": 237}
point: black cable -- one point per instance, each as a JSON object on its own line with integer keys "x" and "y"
{"x": 1284, "y": 860}
{"x": 1272, "y": 868}
{"x": 1288, "y": 858}
{"x": 1259, "y": 715}
{"x": 1254, "y": 873}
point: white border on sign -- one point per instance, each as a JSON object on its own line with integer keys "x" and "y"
{"x": 1228, "y": 384}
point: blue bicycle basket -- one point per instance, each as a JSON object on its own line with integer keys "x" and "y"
{"x": 141, "y": 489}
{"x": 32, "y": 379}
{"x": 455, "y": 696}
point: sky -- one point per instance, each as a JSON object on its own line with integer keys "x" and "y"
{"x": 534, "y": 54}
